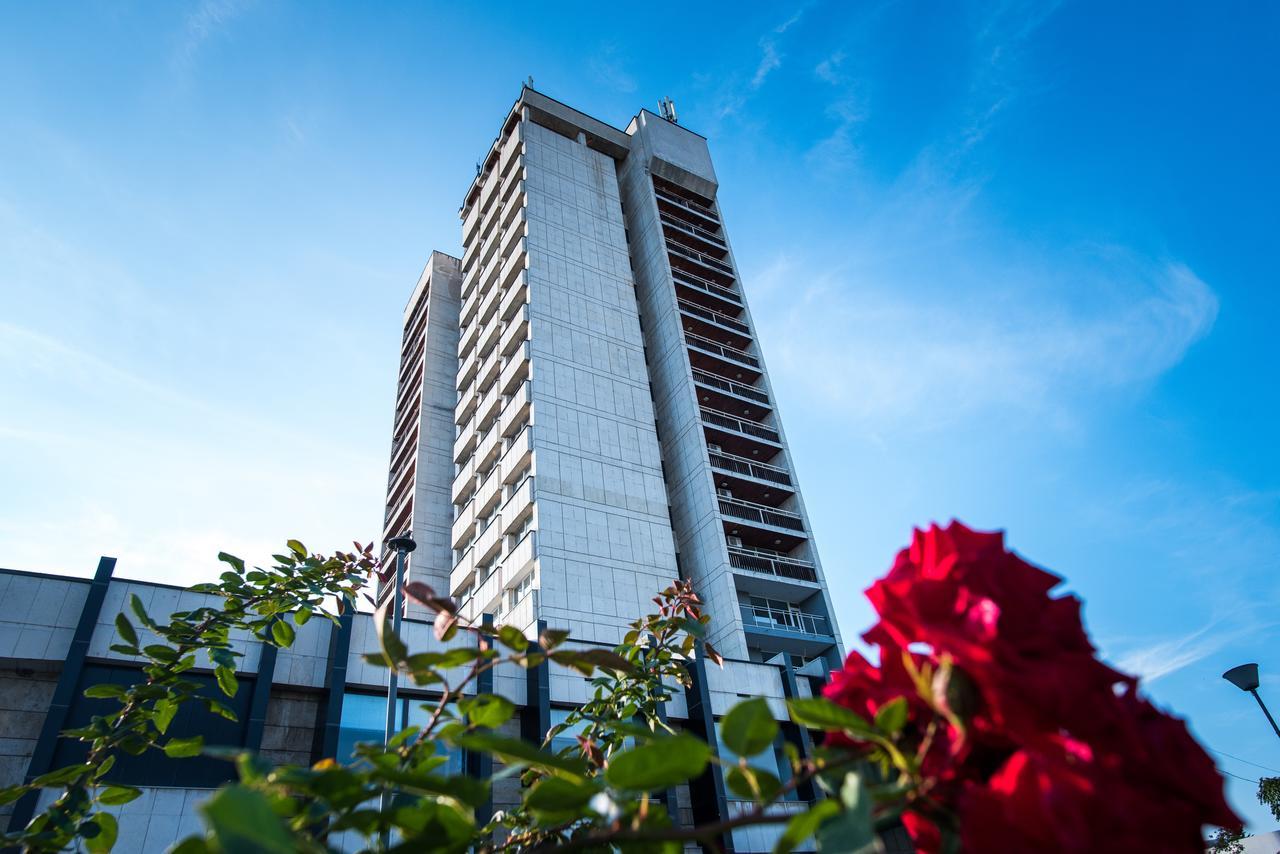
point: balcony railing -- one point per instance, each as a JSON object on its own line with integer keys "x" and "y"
{"x": 690, "y": 228}
{"x": 787, "y": 620}
{"x": 729, "y": 422}
{"x": 721, "y": 350}
{"x": 714, "y": 316}
{"x": 740, "y": 389}
{"x": 751, "y": 468}
{"x": 771, "y": 563}
{"x": 697, "y": 282}
{"x": 760, "y": 513}
{"x": 696, "y": 207}
{"x": 700, "y": 257}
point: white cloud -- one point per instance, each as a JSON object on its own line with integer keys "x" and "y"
{"x": 894, "y": 354}
{"x": 609, "y": 68}
{"x": 828, "y": 69}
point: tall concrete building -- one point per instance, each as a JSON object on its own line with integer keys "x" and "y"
{"x": 613, "y": 424}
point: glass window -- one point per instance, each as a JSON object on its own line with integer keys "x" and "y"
{"x": 364, "y": 718}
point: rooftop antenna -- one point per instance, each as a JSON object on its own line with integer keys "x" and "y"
{"x": 668, "y": 108}
{"x": 529, "y": 82}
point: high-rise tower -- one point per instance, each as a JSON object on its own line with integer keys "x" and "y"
{"x": 615, "y": 425}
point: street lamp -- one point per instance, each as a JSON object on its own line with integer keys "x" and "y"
{"x": 1245, "y": 677}
{"x": 402, "y": 545}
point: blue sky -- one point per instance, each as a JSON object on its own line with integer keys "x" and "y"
{"x": 1011, "y": 263}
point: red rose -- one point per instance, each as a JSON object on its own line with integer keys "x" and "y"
{"x": 1059, "y": 753}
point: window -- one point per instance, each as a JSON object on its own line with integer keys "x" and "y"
{"x": 773, "y": 760}
{"x": 520, "y": 590}
{"x": 153, "y": 768}
{"x": 364, "y": 718}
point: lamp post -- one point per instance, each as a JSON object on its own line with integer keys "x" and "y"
{"x": 402, "y": 544}
{"x": 1245, "y": 677}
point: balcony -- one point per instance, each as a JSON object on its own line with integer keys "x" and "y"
{"x": 759, "y": 514}
{"x": 488, "y": 337}
{"x": 488, "y": 370}
{"x": 488, "y": 449}
{"x": 725, "y": 421}
{"x": 517, "y": 295}
{"x": 466, "y": 408}
{"x": 490, "y": 492}
{"x": 516, "y": 370}
{"x": 464, "y": 525}
{"x": 462, "y": 571}
{"x": 488, "y": 304}
{"x": 696, "y": 238}
{"x": 516, "y": 331}
{"x": 706, "y": 292}
{"x": 465, "y": 443}
{"x": 773, "y": 563}
{"x": 791, "y": 620}
{"x": 718, "y": 318}
{"x": 490, "y": 406}
{"x": 489, "y": 539}
{"x": 698, "y": 262}
{"x": 686, "y": 204}
{"x": 724, "y": 352}
{"x": 487, "y": 593}
{"x": 739, "y": 390}
{"x": 467, "y": 370}
{"x": 516, "y": 410}
{"x": 519, "y": 504}
{"x": 749, "y": 468}
{"x": 464, "y": 483}
{"x": 518, "y": 453}
{"x": 522, "y": 555}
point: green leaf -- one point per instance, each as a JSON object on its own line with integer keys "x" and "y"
{"x": 852, "y": 829}
{"x": 11, "y": 794}
{"x": 141, "y": 613}
{"x": 749, "y": 727}
{"x": 242, "y": 822}
{"x": 513, "y": 751}
{"x": 164, "y": 711}
{"x": 892, "y": 716}
{"x": 512, "y": 638}
{"x": 302, "y": 615}
{"x": 226, "y": 677}
{"x": 114, "y": 795}
{"x": 487, "y": 710}
{"x": 108, "y": 829}
{"x": 821, "y": 713}
{"x": 105, "y": 691}
{"x": 660, "y": 764}
{"x": 283, "y": 633}
{"x": 297, "y": 548}
{"x": 803, "y": 825}
{"x": 124, "y": 628}
{"x": 233, "y": 560}
{"x": 192, "y": 845}
{"x": 60, "y": 776}
{"x": 753, "y": 784}
{"x": 177, "y": 748}
{"x": 220, "y": 709}
{"x": 556, "y": 794}
{"x": 160, "y": 652}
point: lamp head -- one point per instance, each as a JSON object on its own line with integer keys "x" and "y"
{"x": 402, "y": 543}
{"x": 1244, "y": 677}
